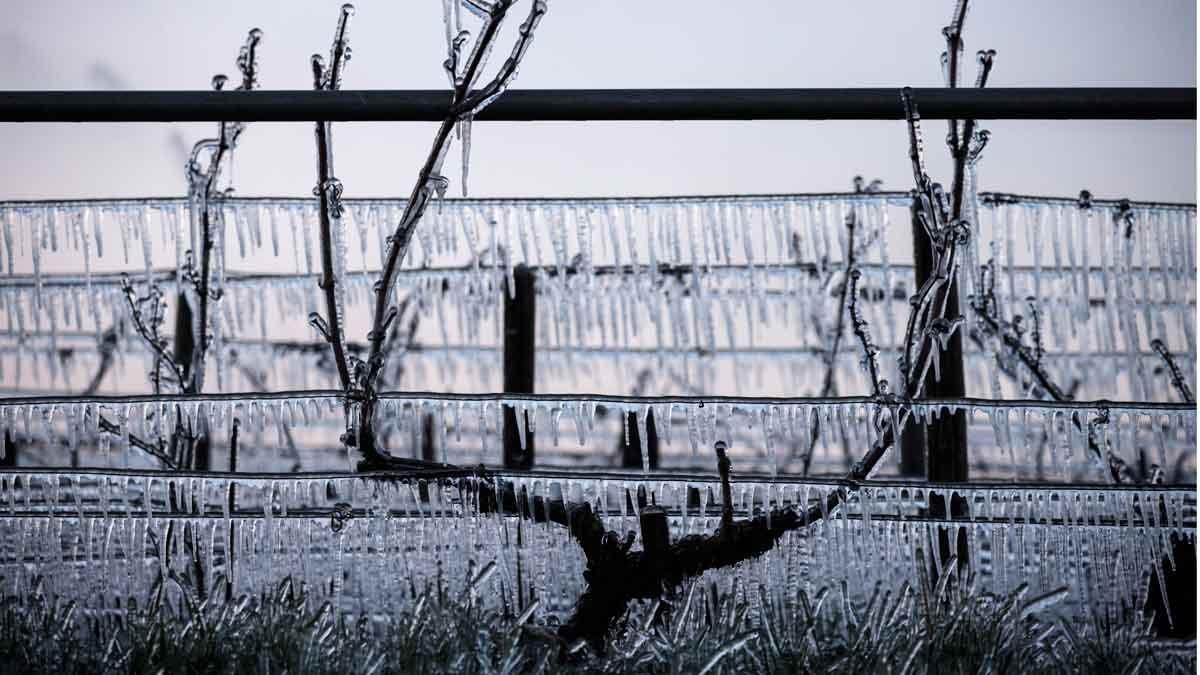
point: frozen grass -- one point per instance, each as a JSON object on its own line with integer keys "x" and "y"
{"x": 943, "y": 627}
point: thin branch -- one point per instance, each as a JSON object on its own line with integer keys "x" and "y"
{"x": 950, "y": 58}
{"x": 985, "y": 308}
{"x": 827, "y": 386}
{"x": 148, "y": 327}
{"x": 861, "y": 331}
{"x": 109, "y": 342}
{"x": 430, "y": 182}
{"x": 151, "y": 449}
{"x": 508, "y": 70}
{"x": 1177, "y": 378}
{"x": 203, "y": 187}
{"x": 329, "y": 190}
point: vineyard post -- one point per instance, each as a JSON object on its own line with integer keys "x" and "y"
{"x": 631, "y": 450}
{"x": 520, "y": 325}
{"x": 939, "y": 448}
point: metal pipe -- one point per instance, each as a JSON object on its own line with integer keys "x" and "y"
{"x": 599, "y": 104}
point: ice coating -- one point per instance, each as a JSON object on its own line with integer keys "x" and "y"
{"x": 689, "y": 305}
{"x": 1011, "y": 440}
{"x": 624, "y": 287}
{"x": 98, "y": 537}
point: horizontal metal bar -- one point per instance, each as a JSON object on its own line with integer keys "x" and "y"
{"x": 599, "y": 104}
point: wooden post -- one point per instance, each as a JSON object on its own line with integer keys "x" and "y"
{"x": 10, "y": 450}
{"x": 940, "y": 446}
{"x": 656, "y": 533}
{"x": 201, "y": 451}
{"x": 631, "y": 452}
{"x": 428, "y": 450}
{"x": 519, "y": 331}
{"x": 1178, "y": 620}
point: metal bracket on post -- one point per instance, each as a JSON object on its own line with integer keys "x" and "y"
{"x": 520, "y": 326}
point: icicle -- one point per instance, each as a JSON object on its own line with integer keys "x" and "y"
{"x": 464, "y": 127}
{"x": 643, "y": 436}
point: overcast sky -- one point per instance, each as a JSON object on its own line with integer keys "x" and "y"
{"x": 149, "y": 44}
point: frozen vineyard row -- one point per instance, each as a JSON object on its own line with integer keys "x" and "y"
{"x": 368, "y": 544}
{"x": 713, "y": 273}
{"x": 1054, "y": 234}
{"x": 31, "y": 366}
{"x": 1066, "y": 439}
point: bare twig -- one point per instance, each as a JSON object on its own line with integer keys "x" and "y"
{"x": 1177, "y": 378}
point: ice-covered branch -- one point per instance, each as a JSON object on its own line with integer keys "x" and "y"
{"x": 847, "y": 291}
{"x": 431, "y": 183}
{"x": 149, "y": 448}
{"x": 329, "y": 194}
{"x": 1011, "y": 337}
{"x": 1177, "y": 378}
{"x": 147, "y": 314}
{"x": 862, "y": 332}
{"x": 617, "y": 575}
{"x": 478, "y": 100}
{"x": 950, "y": 62}
{"x": 203, "y": 192}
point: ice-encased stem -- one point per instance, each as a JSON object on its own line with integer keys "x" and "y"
{"x": 463, "y": 104}
{"x": 329, "y": 191}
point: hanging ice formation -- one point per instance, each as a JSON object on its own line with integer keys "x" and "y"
{"x": 96, "y": 537}
{"x": 692, "y": 269}
{"x": 1030, "y": 440}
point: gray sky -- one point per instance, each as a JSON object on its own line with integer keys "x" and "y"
{"x": 146, "y": 44}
